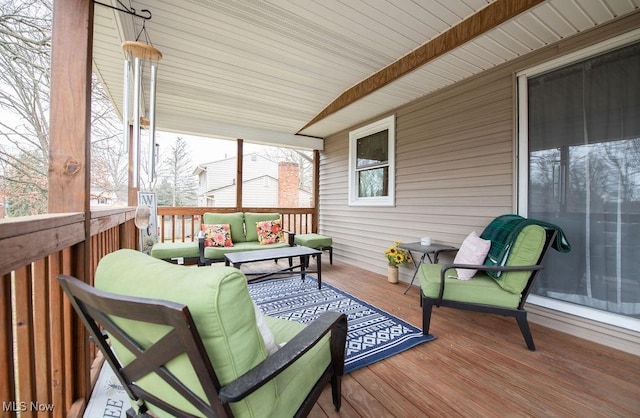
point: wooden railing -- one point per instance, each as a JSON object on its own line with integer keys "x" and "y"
{"x": 45, "y": 358}
{"x": 180, "y": 224}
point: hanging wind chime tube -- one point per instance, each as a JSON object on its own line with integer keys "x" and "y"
{"x": 140, "y": 53}
{"x": 152, "y": 122}
{"x": 125, "y": 104}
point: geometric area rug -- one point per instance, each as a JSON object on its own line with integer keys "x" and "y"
{"x": 372, "y": 334}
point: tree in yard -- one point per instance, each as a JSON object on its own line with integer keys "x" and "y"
{"x": 25, "y": 37}
{"x": 25, "y": 51}
{"x": 178, "y": 187}
{"x": 24, "y": 186}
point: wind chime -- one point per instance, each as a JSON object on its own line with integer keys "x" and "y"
{"x": 139, "y": 57}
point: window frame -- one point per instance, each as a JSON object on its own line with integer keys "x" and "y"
{"x": 522, "y": 168}
{"x": 388, "y": 124}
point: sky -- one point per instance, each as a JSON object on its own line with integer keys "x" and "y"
{"x": 204, "y": 150}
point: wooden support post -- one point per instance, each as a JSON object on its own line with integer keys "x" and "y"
{"x": 316, "y": 190}
{"x": 70, "y": 115}
{"x": 240, "y": 160}
{"x": 70, "y": 153}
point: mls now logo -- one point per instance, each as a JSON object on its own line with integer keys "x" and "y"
{"x": 23, "y": 406}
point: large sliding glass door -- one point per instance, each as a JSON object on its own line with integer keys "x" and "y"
{"x": 582, "y": 140}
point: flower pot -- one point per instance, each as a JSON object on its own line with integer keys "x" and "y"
{"x": 392, "y": 274}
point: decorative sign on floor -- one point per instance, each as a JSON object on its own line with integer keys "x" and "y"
{"x": 108, "y": 398}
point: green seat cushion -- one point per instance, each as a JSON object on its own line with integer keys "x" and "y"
{"x": 217, "y": 253}
{"x": 313, "y": 240}
{"x": 169, "y": 250}
{"x": 525, "y": 252}
{"x": 219, "y": 302}
{"x": 480, "y": 289}
{"x": 250, "y": 219}
{"x": 293, "y": 384}
{"x": 235, "y": 221}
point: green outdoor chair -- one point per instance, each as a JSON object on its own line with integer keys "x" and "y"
{"x": 502, "y": 284}
{"x": 188, "y": 341}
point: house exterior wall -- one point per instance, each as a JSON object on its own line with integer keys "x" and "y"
{"x": 455, "y": 171}
{"x": 261, "y": 192}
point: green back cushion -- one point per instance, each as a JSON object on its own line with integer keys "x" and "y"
{"x": 235, "y": 221}
{"x": 250, "y": 220}
{"x": 525, "y": 252}
{"x": 219, "y": 302}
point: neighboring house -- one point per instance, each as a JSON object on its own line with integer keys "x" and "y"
{"x": 102, "y": 198}
{"x": 265, "y": 183}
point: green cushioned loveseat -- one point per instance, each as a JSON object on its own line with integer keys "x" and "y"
{"x": 188, "y": 341}
{"x": 243, "y": 235}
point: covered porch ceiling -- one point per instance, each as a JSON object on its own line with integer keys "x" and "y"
{"x": 291, "y": 72}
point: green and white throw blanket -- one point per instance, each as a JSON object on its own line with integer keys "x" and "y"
{"x": 503, "y": 231}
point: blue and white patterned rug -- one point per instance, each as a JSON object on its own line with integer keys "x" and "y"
{"x": 372, "y": 334}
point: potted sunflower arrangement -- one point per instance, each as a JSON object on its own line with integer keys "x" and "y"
{"x": 395, "y": 257}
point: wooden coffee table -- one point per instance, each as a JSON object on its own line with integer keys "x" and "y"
{"x": 237, "y": 259}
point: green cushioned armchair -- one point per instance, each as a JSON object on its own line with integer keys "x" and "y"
{"x": 186, "y": 341}
{"x": 505, "y": 294}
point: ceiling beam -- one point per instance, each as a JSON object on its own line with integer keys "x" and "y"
{"x": 484, "y": 20}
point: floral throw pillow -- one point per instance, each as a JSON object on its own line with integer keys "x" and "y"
{"x": 217, "y": 235}
{"x": 269, "y": 232}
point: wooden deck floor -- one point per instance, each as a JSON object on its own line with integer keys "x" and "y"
{"x": 479, "y": 366}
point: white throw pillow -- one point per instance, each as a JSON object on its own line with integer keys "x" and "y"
{"x": 267, "y": 335}
{"x": 473, "y": 250}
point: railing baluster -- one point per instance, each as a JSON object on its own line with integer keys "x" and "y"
{"x": 56, "y": 329}
{"x": 41, "y": 330}
{"x": 7, "y": 371}
{"x": 23, "y": 320}
{"x": 162, "y": 235}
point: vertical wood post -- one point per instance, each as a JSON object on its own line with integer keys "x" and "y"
{"x": 70, "y": 150}
{"x": 316, "y": 190}
{"x": 240, "y": 160}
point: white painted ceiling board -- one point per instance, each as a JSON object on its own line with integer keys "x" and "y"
{"x": 275, "y": 64}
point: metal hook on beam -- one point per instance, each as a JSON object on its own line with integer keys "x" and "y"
{"x": 124, "y": 9}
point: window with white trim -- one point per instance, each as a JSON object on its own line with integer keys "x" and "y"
{"x": 372, "y": 164}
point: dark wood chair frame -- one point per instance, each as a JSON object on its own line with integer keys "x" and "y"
{"x": 96, "y": 307}
{"x": 519, "y": 313}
